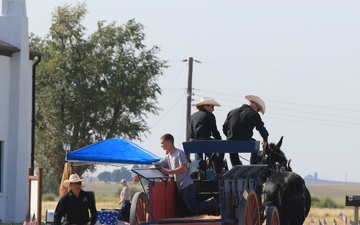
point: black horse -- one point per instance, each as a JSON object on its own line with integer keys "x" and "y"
{"x": 283, "y": 188}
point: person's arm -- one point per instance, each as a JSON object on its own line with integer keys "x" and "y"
{"x": 214, "y": 131}
{"x": 182, "y": 160}
{"x": 259, "y": 124}
{"x": 92, "y": 208}
{"x": 121, "y": 196}
{"x": 263, "y": 132}
{"x": 178, "y": 170}
{"x": 225, "y": 125}
{"x": 60, "y": 210}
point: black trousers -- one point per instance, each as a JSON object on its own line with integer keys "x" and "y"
{"x": 125, "y": 211}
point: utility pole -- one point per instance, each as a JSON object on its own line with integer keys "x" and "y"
{"x": 189, "y": 97}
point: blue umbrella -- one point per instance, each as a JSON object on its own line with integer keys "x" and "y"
{"x": 112, "y": 151}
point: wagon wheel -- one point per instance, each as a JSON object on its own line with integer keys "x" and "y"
{"x": 252, "y": 209}
{"x": 272, "y": 216}
{"x": 138, "y": 209}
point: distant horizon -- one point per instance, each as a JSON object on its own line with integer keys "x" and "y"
{"x": 308, "y": 177}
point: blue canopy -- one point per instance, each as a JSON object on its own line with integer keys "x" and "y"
{"x": 112, "y": 151}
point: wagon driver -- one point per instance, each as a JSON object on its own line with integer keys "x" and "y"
{"x": 240, "y": 123}
{"x": 202, "y": 126}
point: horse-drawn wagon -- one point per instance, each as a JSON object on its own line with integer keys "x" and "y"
{"x": 239, "y": 192}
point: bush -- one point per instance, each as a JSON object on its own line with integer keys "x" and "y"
{"x": 325, "y": 202}
{"x": 49, "y": 197}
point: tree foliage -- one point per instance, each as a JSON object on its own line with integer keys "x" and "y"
{"x": 119, "y": 174}
{"x": 105, "y": 176}
{"x": 91, "y": 88}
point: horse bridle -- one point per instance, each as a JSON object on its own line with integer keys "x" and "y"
{"x": 267, "y": 159}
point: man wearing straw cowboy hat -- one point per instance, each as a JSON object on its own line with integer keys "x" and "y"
{"x": 202, "y": 126}
{"x": 74, "y": 206}
{"x": 240, "y": 123}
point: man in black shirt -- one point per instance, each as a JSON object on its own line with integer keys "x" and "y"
{"x": 74, "y": 206}
{"x": 202, "y": 126}
{"x": 240, "y": 123}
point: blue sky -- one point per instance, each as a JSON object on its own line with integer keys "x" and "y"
{"x": 301, "y": 57}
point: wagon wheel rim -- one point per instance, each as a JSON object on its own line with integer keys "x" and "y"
{"x": 138, "y": 209}
{"x": 272, "y": 216}
{"x": 252, "y": 209}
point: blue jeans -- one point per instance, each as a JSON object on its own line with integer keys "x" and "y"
{"x": 187, "y": 195}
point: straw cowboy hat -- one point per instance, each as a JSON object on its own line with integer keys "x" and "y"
{"x": 73, "y": 179}
{"x": 257, "y": 100}
{"x": 207, "y": 101}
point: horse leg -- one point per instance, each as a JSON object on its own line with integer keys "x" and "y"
{"x": 296, "y": 213}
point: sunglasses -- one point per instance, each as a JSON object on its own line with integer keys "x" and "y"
{"x": 76, "y": 184}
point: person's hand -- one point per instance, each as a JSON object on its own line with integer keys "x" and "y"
{"x": 263, "y": 145}
{"x": 165, "y": 171}
{"x": 135, "y": 179}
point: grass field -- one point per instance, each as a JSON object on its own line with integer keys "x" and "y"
{"x": 107, "y": 198}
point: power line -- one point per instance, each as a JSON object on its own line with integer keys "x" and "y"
{"x": 316, "y": 119}
{"x": 169, "y": 110}
{"x": 313, "y": 123}
{"x": 312, "y": 119}
{"x": 334, "y": 76}
{"x": 182, "y": 69}
{"x": 286, "y": 103}
{"x": 315, "y": 113}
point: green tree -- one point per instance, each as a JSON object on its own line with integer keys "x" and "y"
{"x": 105, "y": 176}
{"x": 91, "y": 88}
{"x": 121, "y": 173}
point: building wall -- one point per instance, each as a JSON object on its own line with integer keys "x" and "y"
{"x": 16, "y": 93}
{"x": 4, "y": 124}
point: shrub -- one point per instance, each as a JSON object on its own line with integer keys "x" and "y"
{"x": 49, "y": 197}
{"x": 325, "y": 202}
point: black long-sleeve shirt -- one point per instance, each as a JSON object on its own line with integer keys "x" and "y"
{"x": 75, "y": 210}
{"x": 202, "y": 125}
{"x": 240, "y": 123}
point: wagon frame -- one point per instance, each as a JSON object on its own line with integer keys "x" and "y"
{"x": 239, "y": 192}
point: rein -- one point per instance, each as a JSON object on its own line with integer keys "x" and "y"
{"x": 274, "y": 166}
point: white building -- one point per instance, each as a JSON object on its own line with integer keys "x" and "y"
{"x": 16, "y": 66}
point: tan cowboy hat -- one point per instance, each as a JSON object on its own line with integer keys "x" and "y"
{"x": 257, "y": 100}
{"x": 207, "y": 101}
{"x": 73, "y": 179}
